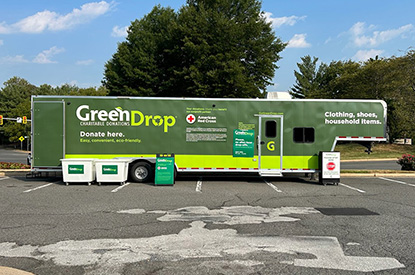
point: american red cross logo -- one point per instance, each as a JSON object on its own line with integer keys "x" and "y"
{"x": 191, "y": 119}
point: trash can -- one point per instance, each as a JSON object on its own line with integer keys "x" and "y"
{"x": 78, "y": 170}
{"x": 112, "y": 170}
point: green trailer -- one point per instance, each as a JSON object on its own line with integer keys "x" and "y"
{"x": 261, "y": 136}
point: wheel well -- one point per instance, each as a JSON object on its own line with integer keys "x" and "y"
{"x": 153, "y": 164}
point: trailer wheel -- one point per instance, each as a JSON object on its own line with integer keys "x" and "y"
{"x": 141, "y": 172}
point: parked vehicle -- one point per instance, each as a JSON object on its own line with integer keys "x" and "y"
{"x": 262, "y": 136}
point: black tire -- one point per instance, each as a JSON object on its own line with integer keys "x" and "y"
{"x": 141, "y": 172}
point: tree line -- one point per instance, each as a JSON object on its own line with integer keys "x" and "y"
{"x": 389, "y": 79}
{"x": 15, "y": 102}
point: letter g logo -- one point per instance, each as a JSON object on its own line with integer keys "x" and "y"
{"x": 271, "y": 146}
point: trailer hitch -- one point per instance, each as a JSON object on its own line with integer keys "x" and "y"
{"x": 367, "y": 144}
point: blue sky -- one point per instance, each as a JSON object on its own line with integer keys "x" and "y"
{"x": 56, "y": 42}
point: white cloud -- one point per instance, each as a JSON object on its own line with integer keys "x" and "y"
{"x": 280, "y": 21}
{"x": 52, "y": 21}
{"x": 363, "y": 55}
{"x": 46, "y": 56}
{"x": 119, "y": 31}
{"x": 85, "y": 62}
{"x": 298, "y": 41}
{"x": 367, "y": 36}
{"x": 13, "y": 59}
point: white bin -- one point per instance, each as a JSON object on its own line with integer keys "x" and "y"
{"x": 78, "y": 170}
{"x": 112, "y": 170}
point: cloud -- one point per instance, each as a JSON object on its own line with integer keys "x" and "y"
{"x": 367, "y": 36}
{"x": 119, "y": 31}
{"x": 363, "y": 55}
{"x": 280, "y": 21}
{"x": 85, "y": 62}
{"x": 298, "y": 41}
{"x": 52, "y": 21}
{"x": 46, "y": 56}
{"x": 13, "y": 59}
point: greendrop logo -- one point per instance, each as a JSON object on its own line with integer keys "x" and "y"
{"x": 120, "y": 117}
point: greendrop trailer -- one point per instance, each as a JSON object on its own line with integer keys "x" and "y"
{"x": 267, "y": 137}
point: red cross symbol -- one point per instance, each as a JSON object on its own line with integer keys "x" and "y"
{"x": 191, "y": 119}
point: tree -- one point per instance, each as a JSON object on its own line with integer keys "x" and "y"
{"x": 140, "y": 67}
{"x": 221, "y": 48}
{"x": 15, "y": 91}
{"x": 15, "y": 102}
{"x": 308, "y": 79}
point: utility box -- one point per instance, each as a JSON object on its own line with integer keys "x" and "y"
{"x": 78, "y": 170}
{"x": 330, "y": 168}
{"x": 112, "y": 170}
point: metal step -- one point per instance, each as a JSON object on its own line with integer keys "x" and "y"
{"x": 270, "y": 173}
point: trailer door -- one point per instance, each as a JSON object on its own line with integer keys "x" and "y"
{"x": 47, "y": 133}
{"x": 270, "y": 150}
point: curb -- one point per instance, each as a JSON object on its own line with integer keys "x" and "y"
{"x": 13, "y": 271}
{"x": 349, "y": 173}
{"x": 362, "y": 160}
{"x": 14, "y": 172}
{"x": 374, "y": 175}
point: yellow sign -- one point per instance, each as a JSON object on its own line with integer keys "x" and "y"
{"x": 21, "y": 138}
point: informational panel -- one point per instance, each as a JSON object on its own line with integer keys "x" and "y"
{"x": 330, "y": 167}
{"x": 243, "y": 143}
{"x": 164, "y": 169}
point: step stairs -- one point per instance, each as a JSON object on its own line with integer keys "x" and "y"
{"x": 270, "y": 173}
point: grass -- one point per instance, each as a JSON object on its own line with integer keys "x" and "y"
{"x": 380, "y": 151}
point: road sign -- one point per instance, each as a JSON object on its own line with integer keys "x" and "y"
{"x": 21, "y": 138}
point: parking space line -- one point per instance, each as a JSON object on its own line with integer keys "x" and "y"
{"x": 272, "y": 186}
{"x": 39, "y": 187}
{"x": 4, "y": 178}
{"x": 120, "y": 187}
{"x": 199, "y": 186}
{"x": 353, "y": 188}
{"x": 397, "y": 181}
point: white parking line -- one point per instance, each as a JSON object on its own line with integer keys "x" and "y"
{"x": 120, "y": 187}
{"x": 4, "y": 178}
{"x": 39, "y": 187}
{"x": 358, "y": 190}
{"x": 397, "y": 181}
{"x": 272, "y": 186}
{"x": 199, "y": 186}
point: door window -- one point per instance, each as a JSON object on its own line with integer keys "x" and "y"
{"x": 270, "y": 129}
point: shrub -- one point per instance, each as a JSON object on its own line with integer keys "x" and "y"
{"x": 13, "y": 165}
{"x": 407, "y": 162}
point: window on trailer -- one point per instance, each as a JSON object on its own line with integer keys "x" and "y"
{"x": 303, "y": 135}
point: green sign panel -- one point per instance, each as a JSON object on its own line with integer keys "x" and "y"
{"x": 164, "y": 169}
{"x": 75, "y": 169}
{"x": 109, "y": 169}
{"x": 243, "y": 143}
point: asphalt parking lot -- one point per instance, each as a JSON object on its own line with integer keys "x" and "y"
{"x": 209, "y": 226}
